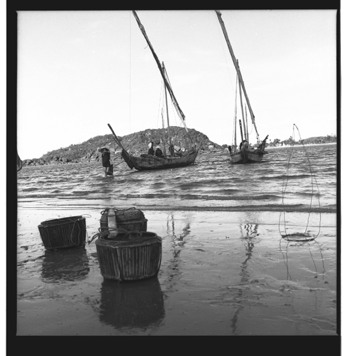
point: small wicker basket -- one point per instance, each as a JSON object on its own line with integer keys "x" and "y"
{"x": 63, "y": 233}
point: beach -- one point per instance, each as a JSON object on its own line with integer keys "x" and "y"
{"x": 222, "y": 273}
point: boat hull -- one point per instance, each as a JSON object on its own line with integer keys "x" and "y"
{"x": 247, "y": 156}
{"x": 150, "y": 162}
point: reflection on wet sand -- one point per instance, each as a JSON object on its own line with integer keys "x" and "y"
{"x": 135, "y": 304}
{"x": 177, "y": 244}
{"x": 66, "y": 264}
{"x": 248, "y": 233}
{"x": 177, "y": 241}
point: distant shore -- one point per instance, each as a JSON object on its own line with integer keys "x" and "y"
{"x": 300, "y": 145}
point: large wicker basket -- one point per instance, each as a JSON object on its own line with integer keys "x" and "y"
{"x": 63, "y": 233}
{"x": 131, "y": 256}
{"x": 131, "y": 219}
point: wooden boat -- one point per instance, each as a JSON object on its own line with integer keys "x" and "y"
{"x": 245, "y": 152}
{"x": 172, "y": 160}
{"x": 19, "y": 163}
{"x": 151, "y": 162}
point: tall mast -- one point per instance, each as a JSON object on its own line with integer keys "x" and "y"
{"x": 242, "y": 112}
{"x": 167, "y": 84}
{"x": 235, "y": 112}
{"x": 247, "y": 124}
{"x": 218, "y": 13}
{"x": 163, "y": 136}
{"x": 168, "y": 130}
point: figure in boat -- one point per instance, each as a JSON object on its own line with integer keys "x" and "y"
{"x": 158, "y": 151}
{"x": 151, "y": 148}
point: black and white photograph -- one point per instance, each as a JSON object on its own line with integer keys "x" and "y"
{"x": 177, "y": 172}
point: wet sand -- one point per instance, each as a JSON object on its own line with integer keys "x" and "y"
{"x": 222, "y": 273}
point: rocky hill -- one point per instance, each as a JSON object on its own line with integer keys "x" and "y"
{"x": 135, "y": 143}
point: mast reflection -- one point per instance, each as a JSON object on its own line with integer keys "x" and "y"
{"x": 248, "y": 235}
{"x": 177, "y": 245}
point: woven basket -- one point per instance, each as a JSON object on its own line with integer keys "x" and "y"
{"x": 63, "y": 233}
{"x": 124, "y": 215}
{"x": 133, "y": 258}
{"x": 131, "y": 219}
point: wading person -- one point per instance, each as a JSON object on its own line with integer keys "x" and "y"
{"x": 106, "y": 156}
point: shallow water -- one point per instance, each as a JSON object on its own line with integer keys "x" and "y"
{"x": 212, "y": 182}
{"x": 226, "y": 270}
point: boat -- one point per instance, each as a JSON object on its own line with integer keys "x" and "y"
{"x": 245, "y": 152}
{"x": 19, "y": 163}
{"x": 173, "y": 159}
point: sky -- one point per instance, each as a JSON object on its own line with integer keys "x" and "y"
{"x": 80, "y": 70}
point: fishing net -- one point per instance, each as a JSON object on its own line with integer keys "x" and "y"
{"x": 306, "y": 235}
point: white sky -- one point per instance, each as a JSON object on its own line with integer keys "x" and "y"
{"x": 79, "y": 70}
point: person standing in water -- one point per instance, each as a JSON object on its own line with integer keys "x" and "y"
{"x": 106, "y": 156}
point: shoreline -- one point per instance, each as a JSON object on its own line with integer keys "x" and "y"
{"x": 304, "y": 145}
{"x": 267, "y": 208}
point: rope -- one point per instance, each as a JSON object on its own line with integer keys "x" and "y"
{"x": 79, "y": 231}
{"x": 300, "y": 236}
{"x": 310, "y": 243}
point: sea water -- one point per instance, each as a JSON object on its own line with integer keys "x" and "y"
{"x": 300, "y": 178}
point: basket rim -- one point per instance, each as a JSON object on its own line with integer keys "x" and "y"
{"x": 141, "y": 240}
{"x": 61, "y": 221}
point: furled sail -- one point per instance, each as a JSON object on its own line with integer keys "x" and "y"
{"x": 162, "y": 71}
